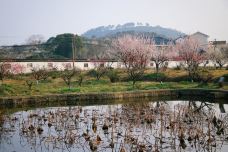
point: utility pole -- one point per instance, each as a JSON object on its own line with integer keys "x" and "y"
{"x": 73, "y": 52}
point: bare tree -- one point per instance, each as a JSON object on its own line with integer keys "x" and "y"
{"x": 4, "y": 70}
{"x": 35, "y": 39}
{"x": 134, "y": 53}
{"x": 67, "y": 76}
{"x": 100, "y": 68}
{"x": 68, "y": 73}
{"x": 218, "y": 55}
{"x": 39, "y": 74}
{"x": 192, "y": 54}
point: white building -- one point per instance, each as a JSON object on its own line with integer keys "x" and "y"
{"x": 28, "y": 65}
{"x": 200, "y": 37}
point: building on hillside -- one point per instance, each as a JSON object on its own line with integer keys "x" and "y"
{"x": 200, "y": 37}
{"x": 219, "y": 45}
{"x": 217, "y": 42}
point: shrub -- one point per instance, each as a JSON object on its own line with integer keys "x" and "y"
{"x": 155, "y": 77}
{"x": 97, "y": 73}
{"x": 180, "y": 78}
{"x": 91, "y": 73}
{"x": 6, "y": 89}
{"x": 67, "y": 90}
{"x": 29, "y": 83}
{"x": 112, "y": 75}
{"x": 54, "y": 74}
{"x": 225, "y": 77}
{"x": 80, "y": 79}
{"x": 204, "y": 76}
{"x": 227, "y": 67}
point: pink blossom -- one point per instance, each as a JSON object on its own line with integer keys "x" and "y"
{"x": 17, "y": 68}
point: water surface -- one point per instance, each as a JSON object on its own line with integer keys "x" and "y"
{"x": 121, "y": 127}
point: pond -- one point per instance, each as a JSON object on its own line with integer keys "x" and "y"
{"x": 150, "y": 126}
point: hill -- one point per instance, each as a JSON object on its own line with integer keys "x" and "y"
{"x": 104, "y": 31}
{"x": 92, "y": 44}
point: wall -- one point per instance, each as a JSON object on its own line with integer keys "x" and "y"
{"x": 28, "y": 66}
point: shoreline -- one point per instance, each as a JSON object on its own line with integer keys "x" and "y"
{"x": 75, "y": 97}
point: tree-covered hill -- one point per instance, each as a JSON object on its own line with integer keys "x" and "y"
{"x": 92, "y": 44}
{"x": 104, "y": 31}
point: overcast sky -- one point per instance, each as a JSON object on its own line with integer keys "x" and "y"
{"x": 21, "y": 18}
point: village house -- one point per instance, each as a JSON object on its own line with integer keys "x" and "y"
{"x": 200, "y": 37}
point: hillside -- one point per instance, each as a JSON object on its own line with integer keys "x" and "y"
{"x": 92, "y": 44}
{"x": 104, "y": 31}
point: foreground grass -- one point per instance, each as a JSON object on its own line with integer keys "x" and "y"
{"x": 58, "y": 87}
{"x": 17, "y": 87}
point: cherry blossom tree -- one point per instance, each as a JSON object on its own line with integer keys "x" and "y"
{"x": 134, "y": 53}
{"x": 17, "y": 68}
{"x": 192, "y": 53}
{"x": 162, "y": 54}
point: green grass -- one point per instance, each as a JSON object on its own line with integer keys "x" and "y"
{"x": 17, "y": 87}
{"x": 67, "y": 90}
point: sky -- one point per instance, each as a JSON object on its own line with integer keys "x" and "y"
{"x": 20, "y": 19}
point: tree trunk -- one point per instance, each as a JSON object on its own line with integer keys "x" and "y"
{"x": 69, "y": 87}
{"x": 98, "y": 77}
{"x": 69, "y": 84}
{"x": 221, "y": 107}
{"x": 133, "y": 83}
{"x": 157, "y": 67}
{"x": 157, "y": 70}
{"x": 220, "y": 66}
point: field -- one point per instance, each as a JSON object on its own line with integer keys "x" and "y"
{"x": 170, "y": 79}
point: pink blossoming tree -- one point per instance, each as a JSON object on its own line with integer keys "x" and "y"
{"x": 162, "y": 54}
{"x": 191, "y": 52}
{"x": 134, "y": 53}
{"x": 17, "y": 68}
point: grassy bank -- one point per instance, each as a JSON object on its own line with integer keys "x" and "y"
{"x": 173, "y": 79}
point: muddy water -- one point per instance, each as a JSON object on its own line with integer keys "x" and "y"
{"x": 134, "y": 126}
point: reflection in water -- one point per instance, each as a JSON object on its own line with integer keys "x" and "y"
{"x": 135, "y": 127}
